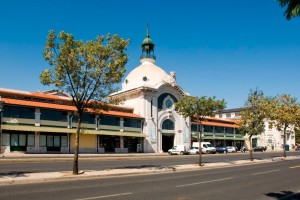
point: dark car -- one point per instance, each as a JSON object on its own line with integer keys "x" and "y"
{"x": 221, "y": 150}
{"x": 259, "y": 148}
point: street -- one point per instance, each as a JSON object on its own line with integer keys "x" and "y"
{"x": 100, "y": 163}
{"x": 277, "y": 180}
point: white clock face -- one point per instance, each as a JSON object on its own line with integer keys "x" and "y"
{"x": 169, "y": 103}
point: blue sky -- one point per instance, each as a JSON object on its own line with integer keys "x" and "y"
{"x": 217, "y": 48}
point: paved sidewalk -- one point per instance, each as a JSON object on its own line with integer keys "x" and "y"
{"x": 19, "y": 178}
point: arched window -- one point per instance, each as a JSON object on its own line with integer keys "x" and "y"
{"x": 168, "y": 125}
{"x": 162, "y": 97}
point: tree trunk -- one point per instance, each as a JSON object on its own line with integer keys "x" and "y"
{"x": 75, "y": 162}
{"x": 251, "y": 150}
{"x": 199, "y": 148}
{"x": 284, "y": 141}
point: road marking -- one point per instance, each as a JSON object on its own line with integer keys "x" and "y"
{"x": 223, "y": 179}
{"x": 106, "y": 196}
{"x": 266, "y": 172}
{"x": 295, "y": 166}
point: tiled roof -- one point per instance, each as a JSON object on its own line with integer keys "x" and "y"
{"x": 219, "y": 122}
{"x": 64, "y": 107}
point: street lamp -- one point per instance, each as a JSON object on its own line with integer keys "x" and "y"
{"x": 1, "y": 110}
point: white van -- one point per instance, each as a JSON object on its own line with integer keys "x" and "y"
{"x": 206, "y": 147}
{"x": 178, "y": 149}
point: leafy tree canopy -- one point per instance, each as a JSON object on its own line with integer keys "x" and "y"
{"x": 292, "y": 8}
{"x": 85, "y": 70}
{"x": 199, "y": 107}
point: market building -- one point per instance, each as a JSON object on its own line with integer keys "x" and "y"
{"x": 145, "y": 121}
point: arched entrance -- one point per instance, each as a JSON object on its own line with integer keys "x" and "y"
{"x": 168, "y": 134}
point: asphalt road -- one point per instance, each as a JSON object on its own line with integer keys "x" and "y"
{"x": 128, "y": 162}
{"x": 277, "y": 180}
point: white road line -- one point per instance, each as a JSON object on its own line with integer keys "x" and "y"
{"x": 106, "y": 196}
{"x": 266, "y": 172}
{"x": 223, "y": 179}
{"x": 295, "y": 167}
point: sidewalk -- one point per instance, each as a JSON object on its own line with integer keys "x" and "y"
{"x": 19, "y": 178}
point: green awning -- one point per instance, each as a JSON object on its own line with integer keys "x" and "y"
{"x": 223, "y": 138}
{"x": 37, "y": 129}
{"x": 68, "y": 130}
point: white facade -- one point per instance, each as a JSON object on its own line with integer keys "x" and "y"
{"x": 271, "y": 137}
{"x": 152, "y": 93}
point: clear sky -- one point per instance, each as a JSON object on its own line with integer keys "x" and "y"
{"x": 217, "y": 48}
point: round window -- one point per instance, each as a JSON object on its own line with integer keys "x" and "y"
{"x": 145, "y": 78}
{"x": 169, "y": 103}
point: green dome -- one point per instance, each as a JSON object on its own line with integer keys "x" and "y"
{"x": 147, "y": 41}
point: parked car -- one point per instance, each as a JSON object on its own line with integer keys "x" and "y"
{"x": 179, "y": 149}
{"x": 231, "y": 149}
{"x": 206, "y": 147}
{"x": 221, "y": 150}
{"x": 194, "y": 150}
{"x": 259, "y": 148}
{"x": 297, "y": 148}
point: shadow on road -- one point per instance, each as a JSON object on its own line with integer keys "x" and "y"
{"x": 14, "y": 174}
{"x": 286, "y": 195}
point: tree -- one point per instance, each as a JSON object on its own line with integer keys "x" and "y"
{"x": 285, "y": 111}
{"x": 86, "y": 71}
{"x": 199, "y": 109}
{"x": 292, "y": 8}
{"x": 253, "y": 115}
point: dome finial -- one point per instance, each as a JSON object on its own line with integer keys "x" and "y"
{"x": 148, "y": 46}
{"x": 147, "y": 30}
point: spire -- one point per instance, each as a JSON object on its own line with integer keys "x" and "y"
{"x": 148, "y": 47}
{"x": 147, "y": 31}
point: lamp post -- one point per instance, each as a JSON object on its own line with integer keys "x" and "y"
{"x": 1, "y": 110}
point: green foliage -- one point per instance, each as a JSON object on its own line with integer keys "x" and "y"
{"x": 253, "y": 114}
{"x": 199, "y": 107}
{"x": 285, "y": 111}
{"x": 87, "y": 71}
{"x": 292, "y": 8}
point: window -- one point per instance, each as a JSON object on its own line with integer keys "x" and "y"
{"x": 110, "y": 120}
{"x": 14, "y": 140}
{"x": 18, "y": 112}
{"x": 194, "y": 128}
{"x": 168, "y": 125}
{"x": 169, "y": 103}
{"x": 228, "y": 115}
{"x": 219, "y": 129}
{"x": 43, "y": 140}
{"x": 30, "y": 140}
{"x": 53, "y": 115}
{"x": 208, "y": 129}
{"x": 18, "y": 140}
{"x": 135, "y": 123}
{"x": 162, "y": 97}
{"x": 88, "y": 119}
{"x": 53, "y": 140}
{"x": 229, "y": 130}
